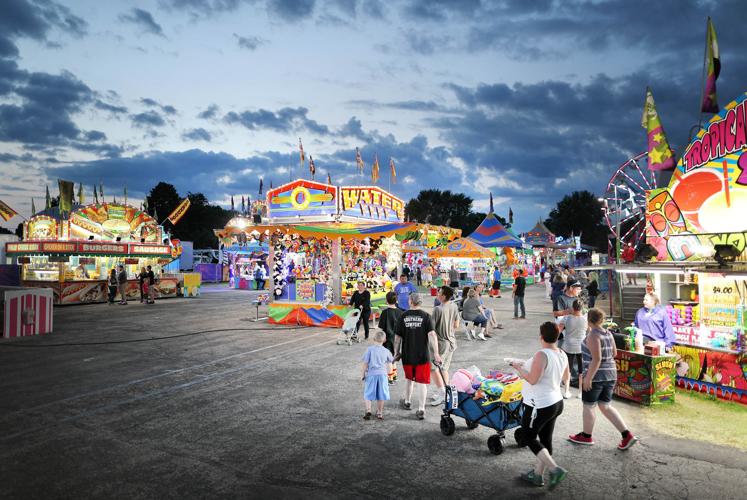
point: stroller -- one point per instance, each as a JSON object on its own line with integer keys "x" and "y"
{"x": 350, "y": 328}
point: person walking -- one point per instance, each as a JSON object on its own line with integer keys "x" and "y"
{"x": 565, "y": 301}
{"x": 592, "y": 289}
{"x": 151, "y": 281}
{"x": 496, "y": 287}
{"x": 446, "y": 321}
{"x": 558, "y": 286}
{"x": 547, "y": 276}
{"x": 377, "y": 363}
{"x": 415, "y": 336}
{"x": 122, "y": 285}
{"x": 403, "y": 289}
{"x": 260, "y": 276}
{"x": 519, "y": 286}
{"x": 112, "y": 285}
{"x": 419, "y": 275}
{"x": 573, "y": 327}
{"x": 543, "y": 404}
{"x": 388, "y": 324}
{"x": 600, "y": 375}
{"x": 361, "y": 300}
{"x": 453, "y": 277}
{"x": 143, "y": 286}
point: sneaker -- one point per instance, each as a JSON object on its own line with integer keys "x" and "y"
{"x": 405, "y": 405}
{"x": 581, "y": 439}
{"x": 627, "y": 442}
{"x": 567, "y": 395}
{"x": 556, "y": 476}
{"x": 481, "y": 336}
{"x": 420, "y": 414}
{"x": 437, "y": 400}
{"x": 579, "y": 395}
{"x": 532, "y": 478}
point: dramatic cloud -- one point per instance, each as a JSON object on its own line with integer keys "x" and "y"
{"x": 152, "y": 103}
{"x": 283, "y": 120}
{"x": 209, "y": 113}
{"x": 148, "y": 119}
{"x": 291, "y": 10}
{"x": 35, "y": 19}
{"x": 144, "y": 20}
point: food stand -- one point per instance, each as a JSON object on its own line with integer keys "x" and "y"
{"x": 648, "y": 380}
{"x": 321, "y": 238}
{"x": 73, "y": 256}
{"x": 698, "y": 229}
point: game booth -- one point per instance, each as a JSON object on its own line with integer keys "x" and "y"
{"x": 472, "y": 261}
{"x": 696, "y": 227}
{"x": 245, "y": 255}
{"x": 322, "y": 240}
{"x": 73, "y": 256}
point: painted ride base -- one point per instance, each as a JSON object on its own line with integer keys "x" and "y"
{"x": 307, "y": 314}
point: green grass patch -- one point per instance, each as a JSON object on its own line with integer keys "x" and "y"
{"x": 700, "y": 417}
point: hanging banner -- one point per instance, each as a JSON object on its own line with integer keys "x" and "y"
{"x": 179, "y": 211}
{"x": 705, "y": 202}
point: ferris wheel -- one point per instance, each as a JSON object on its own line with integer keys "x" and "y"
{"x": 625, "y": 199}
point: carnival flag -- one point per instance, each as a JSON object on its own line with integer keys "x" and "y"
{"x": 312, "y": 167}
{"x": 270, "y": 183}
{"x": 301, "y": 153}
{"x": 81, "y": 194}
{"x": 179, "y": 211}
{"x": 101, "y": 191}
{"x": 243, "y": 205}
{"x": 33, "y": 207}
{"x": 261, "y": 185}
{"x": 510, "y": 216}
{"x": 392, "y": 170}
{"x": 145, "y": 204}
{"x": 329, "y": 178}
{"x": 491, "y": 203}
{"x": 375, "y": 170}
{"x": 660, "y": 155}
{"x": 125, "y": 194}
{"x": 233, "y": 209}
{"x": 66, "y": 195}
{"x": 713, "y": 68}
{"x": 49, "y": 200}
{"x": 114, "y": 200}
{"x": 95, "y": 195}
{"x": 6, "y": 212}
{"x": 359, "y": 160}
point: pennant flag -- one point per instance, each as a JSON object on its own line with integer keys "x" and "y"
{"x": 101, "y": 191}
{"x": 179, "y": 211}
{"x": 95, "y": 195}
{"x": 233, "y": 209}
{"x": 392, "y": 170}
{"x": 359, "y": 160}
{"x": 125, "y": 194}
{"x": 375, "y": 170}
{"x": 491, "y": 203}
{"x": 66, "y": 195}
{"x": 312, "y": 167}
{"x": 33, "y": 208}
{"x": 49, "y": 200}
{"x": 301, "y": 153}
{"x": 114, "y": 200}
{"x": 260, "y": 186}
{"x": 155, "y": 213}
{"x": 270, "y": 183}
{"x": 510, "y": 216}
{"x": 329, "y": 178}
{"x": 145, "y": 204}
{"x": 713, "y": 68}
{"x": 660, "y": 155}
{"x": 81, "y": 194}
{"x": 243, "y": 205}
{"x": 6, "y": 212}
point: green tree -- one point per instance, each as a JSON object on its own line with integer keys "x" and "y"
{"x": 198, "y": 223}
{"x": 162, "y": 199}
{"x": 580, "y": 213}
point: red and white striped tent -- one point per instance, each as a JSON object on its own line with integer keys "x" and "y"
{"x": 26, "y": 311}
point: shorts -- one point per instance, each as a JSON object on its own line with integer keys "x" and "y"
{"x": 418, "y": 373}
{"x": 601, "y": 392}
{"x": 446, "y": 352}
{"x": 376, "y": 388}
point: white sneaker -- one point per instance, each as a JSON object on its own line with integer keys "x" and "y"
{"x": 579, "y": 395}
{"x": 481, "y": 336}
{"x": 470, "y": 334}
{"x": 567, "y": 395}
{"x": 437, "y": 400}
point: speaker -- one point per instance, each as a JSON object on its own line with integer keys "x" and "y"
{"x": 645, "y": 253}
{"x": 725, "y": 254}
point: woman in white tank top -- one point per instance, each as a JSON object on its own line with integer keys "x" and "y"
{"x": 543, "y": 403}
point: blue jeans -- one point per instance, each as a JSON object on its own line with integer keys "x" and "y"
{"x": 519, "y": 302}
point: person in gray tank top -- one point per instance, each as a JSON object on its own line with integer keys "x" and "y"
{"x": 599, "y": 377}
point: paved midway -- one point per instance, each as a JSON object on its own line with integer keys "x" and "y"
{"x": 246, "y": 410}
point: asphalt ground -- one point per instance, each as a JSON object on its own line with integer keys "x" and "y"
{"x": 190, "y": 398}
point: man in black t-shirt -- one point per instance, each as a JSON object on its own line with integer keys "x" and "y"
{"x": 415, "y": 331}
{"x": 520, "y": 284}
{"x": 361, "y": 299}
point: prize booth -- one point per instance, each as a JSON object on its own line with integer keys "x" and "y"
{"x": 73, "y": 256}
{"x": 245, "y": 255}
{"x": 322, "y": 240}
{"x": 471, "y": 261}
{"x": 697, "y": 229}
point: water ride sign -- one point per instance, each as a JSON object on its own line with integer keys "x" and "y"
{"x": 371, "y": 202}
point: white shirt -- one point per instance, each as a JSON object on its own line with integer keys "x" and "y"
{"x": 546, "y": 392}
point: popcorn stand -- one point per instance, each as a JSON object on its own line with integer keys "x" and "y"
{"x": 74, "y": 256}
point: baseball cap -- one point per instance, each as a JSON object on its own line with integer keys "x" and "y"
{"x": 572, "y": 283}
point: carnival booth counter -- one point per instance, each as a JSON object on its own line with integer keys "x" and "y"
{"x": 74, "y": 256}
{"x": 471, "y": 261}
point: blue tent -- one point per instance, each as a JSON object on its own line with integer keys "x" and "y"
{"x": 491, "y": 233}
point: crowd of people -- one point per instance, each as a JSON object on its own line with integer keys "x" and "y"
{"x": 117, "y": 283}
{"x": 573, "y": 347}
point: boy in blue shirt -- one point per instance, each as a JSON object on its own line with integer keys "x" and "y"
{"x": 377, "y": 363}
{"x": 403, "y": 290}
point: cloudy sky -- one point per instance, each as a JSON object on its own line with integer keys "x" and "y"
{"x": 526, "y": 99}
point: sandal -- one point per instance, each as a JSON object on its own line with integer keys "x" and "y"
{"x": 380, "y": 416}
{"x": 367, "y": 416}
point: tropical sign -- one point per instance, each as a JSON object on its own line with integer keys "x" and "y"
{"x": 706, "y": 199}
{"x": 371, "y": 202}
{"x": 302, "y": 198}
